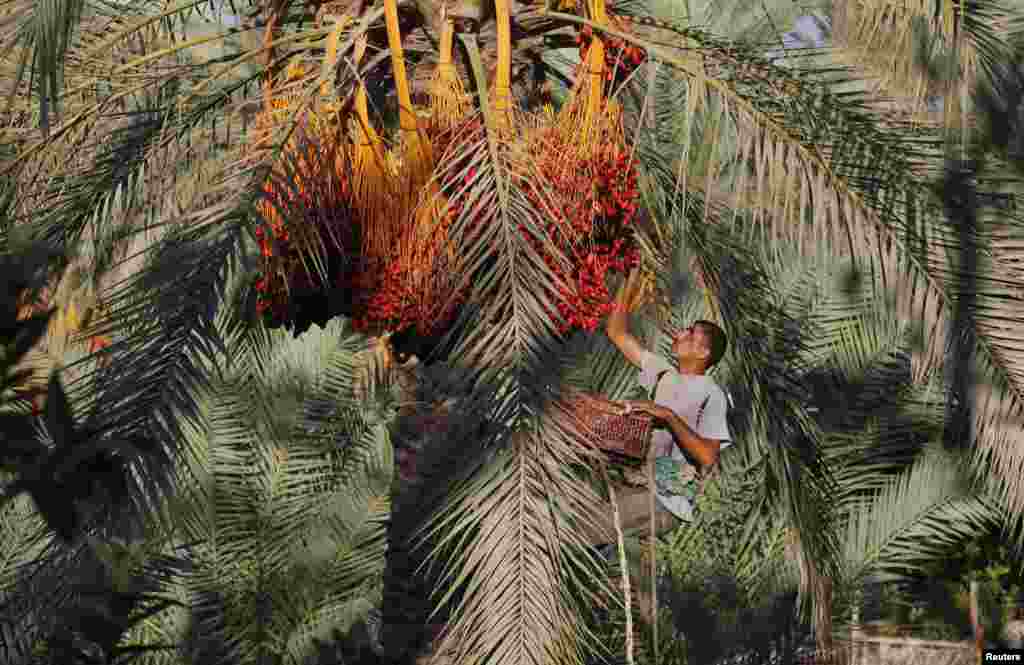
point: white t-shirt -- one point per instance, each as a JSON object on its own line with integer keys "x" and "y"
{"x": 695, "y": 398}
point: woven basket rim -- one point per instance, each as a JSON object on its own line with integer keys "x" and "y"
{"x": 597, "y": 413}
{"x": 602, "y": 403}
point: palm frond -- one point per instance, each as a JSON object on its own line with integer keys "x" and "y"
{"x": 192, "y": 259}
{"x": 25, "y": 541}
{"x": 44, "y": 32}
{"x": 517, "y": 573}
{"x": 857, "y": 368}
{"x": 923, "y": 51}
{"x": 810, "y": 185}
{"x": 754, "y": 23}
{"x": 293, "y": 497}
{"x": 905, "y": 524}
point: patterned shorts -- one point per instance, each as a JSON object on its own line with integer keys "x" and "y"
{"x": 674, "y": 477}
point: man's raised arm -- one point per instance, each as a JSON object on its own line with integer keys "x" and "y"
{"x": 618, "y": 321}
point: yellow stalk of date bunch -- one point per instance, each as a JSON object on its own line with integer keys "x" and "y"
{"x": 416, "y": 156}
{"x": 448, "y": 100}
{"x": 595, "y": 70}
{"x": 503, "y": 76}
{"x": 449, "y": 104}
{"x": 372, "y": 181}
{"x": 590, "y": 118}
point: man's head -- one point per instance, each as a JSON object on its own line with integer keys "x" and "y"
{"x": 700, "y": 346}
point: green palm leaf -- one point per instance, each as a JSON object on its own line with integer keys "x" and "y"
{"x": 794, "y": 163}
{"x": 808, "y": 185}
{"x": 922, "y": 52}
{"x": 286, "y": 534}
{"x": 919, "y": 514}
{"x": 509, "y": 504}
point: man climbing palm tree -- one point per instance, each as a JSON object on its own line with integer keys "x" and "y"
{"x": 689, "y": 405}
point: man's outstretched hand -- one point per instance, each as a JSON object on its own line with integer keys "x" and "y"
{"x": 647, "y": 407}
{"x": 617, "y": 326}
{"x": 629, "y": 292}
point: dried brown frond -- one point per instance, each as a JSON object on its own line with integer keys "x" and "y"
{"x": 879, "y": 39}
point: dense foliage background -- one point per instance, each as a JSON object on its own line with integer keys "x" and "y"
{"x": 214, "y": 212}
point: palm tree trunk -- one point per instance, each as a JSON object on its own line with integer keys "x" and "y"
{"x": 823, "y": 617}
{"x": 961, "y": 207}
{"x": 406, "y": 596}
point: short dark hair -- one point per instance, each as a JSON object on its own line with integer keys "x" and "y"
{"x": 717, "y": 341}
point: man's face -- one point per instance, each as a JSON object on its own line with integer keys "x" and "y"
{"x": 690, "y": 343}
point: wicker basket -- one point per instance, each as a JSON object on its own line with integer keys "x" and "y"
{"x": 624, "y": 436}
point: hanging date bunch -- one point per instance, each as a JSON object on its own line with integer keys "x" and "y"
{"x": 415, "y": 290}
{"x": 375, "y": 203}
{"x": 340, "y": 190}
{"x": 584, "y": 159}
{"x": 620, "y": 58}
{"x": 593, "y": 226}
{"x": 310, "y": 209}
{"x": 306, "y": 204}
{"x": 414, "y": 287}
{"x": 314, "y": 214}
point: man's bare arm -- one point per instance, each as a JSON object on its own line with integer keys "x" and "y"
{"x": 617, "y": 326}
{"x": 704, "y": 450}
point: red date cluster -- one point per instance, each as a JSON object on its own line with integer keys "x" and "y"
{"x": 321, "y": 196}
{"x": 591, "y": 206}
{"x": 601, "y": 200}
{"x": 620, "y": 59}
{"x": 392, "y": 299}
{"x": 270, "y": 283}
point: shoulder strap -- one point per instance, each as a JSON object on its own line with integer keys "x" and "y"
{"x": 700, "y": 411}
{"x": 657, "y": 380}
